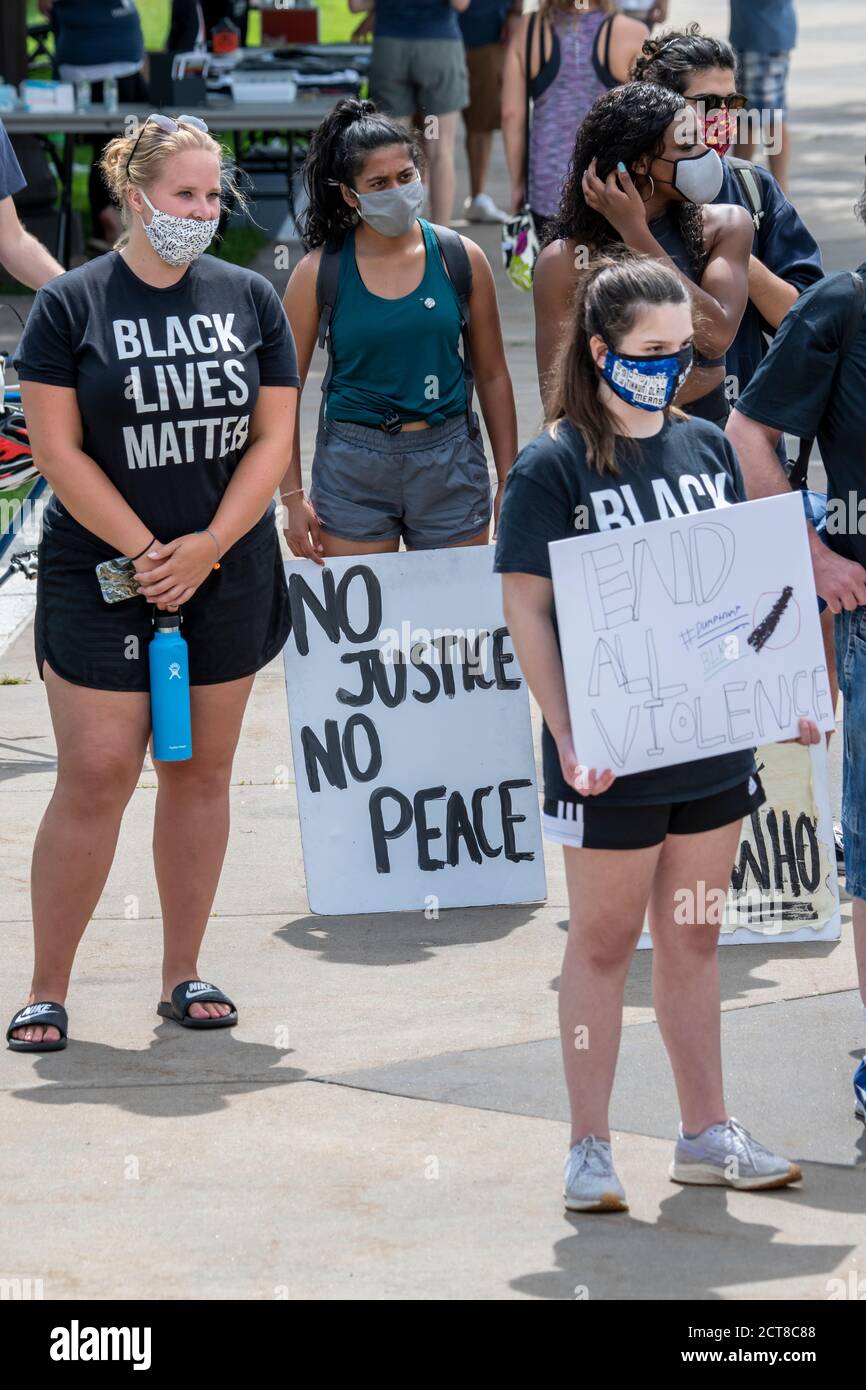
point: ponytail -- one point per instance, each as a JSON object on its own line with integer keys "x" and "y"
{"x": 672, "y": 58}
{"x": 337, "y": 153}
{"x": 607, "y": 302}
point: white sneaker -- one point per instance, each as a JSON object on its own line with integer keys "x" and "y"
{"x": 727, "y": 1156}
{"x": 483, "y": 209}
{"x": 590, "y": 1181}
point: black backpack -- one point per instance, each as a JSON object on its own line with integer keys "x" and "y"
{"x": 456, "y": 259}
{"x": 751, "y": 186}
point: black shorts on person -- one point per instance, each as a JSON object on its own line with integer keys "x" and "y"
{"x": 593, "y": 824}
{"x": 235, "y": 623}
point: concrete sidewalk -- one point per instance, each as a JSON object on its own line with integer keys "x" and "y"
{"x": 388, "y": 1120}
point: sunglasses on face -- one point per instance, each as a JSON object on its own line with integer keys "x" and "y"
{"x": 710, "y": 104}
{"x": 168, "y": 125}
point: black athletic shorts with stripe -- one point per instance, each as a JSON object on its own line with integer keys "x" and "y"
{"x": 591, "y": 824}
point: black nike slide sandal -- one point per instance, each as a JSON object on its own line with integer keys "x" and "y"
{"x": 46, "y": 1015}
{"x": 190, "y": 992}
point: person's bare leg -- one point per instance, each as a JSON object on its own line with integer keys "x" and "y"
{"x": 479, "y": 144}
{"x": 686, "y": 968}
{"x": 101, "y": 740}
{"x": 780, "y": 163}
{"x": 439, "y": 148}
{"x": 607, "y": 896}
{"x": 191, "y": 827}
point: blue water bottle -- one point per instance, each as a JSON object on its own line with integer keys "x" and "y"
{"x": 169, "y": 690}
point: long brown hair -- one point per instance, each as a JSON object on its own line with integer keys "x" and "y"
{"x": 607, "y": 302}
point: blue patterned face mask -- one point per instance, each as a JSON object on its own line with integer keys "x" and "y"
{"x": 650, "y": 383}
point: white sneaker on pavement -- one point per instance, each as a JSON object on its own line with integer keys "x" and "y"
{"x": 727, "y": 1156}
{"x": 591, "y": 1183}
{"x": 482, "y": 208}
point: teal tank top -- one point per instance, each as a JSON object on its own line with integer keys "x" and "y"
{"x": 396, "y": 354}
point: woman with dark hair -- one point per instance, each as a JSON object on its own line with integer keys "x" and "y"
{"x": 641, "y": 177}
{"x": 785, "y": 258}
{"x": 398, "y": 450}
{"x": 613, "y": 452}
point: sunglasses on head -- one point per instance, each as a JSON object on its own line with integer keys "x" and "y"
{"x": 711, "y": 104}
{"x": 167, "y": 124}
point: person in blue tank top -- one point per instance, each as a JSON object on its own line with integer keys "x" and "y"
{"x": 398, "y": 450}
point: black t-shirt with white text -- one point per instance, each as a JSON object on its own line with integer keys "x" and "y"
{"x": 689, "y": 466}
{"x": 166, "y": 382}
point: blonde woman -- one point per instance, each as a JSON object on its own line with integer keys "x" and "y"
{"x": 160, "y": 392}
{"x": 577, "y": 49}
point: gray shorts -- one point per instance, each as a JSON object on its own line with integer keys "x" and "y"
{"x": 430, "y": 487}
{"x": 426, "y": 75}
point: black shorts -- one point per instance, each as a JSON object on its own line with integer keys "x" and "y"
{"x": 591, "y": 824}
{"x": 235, "y": 623}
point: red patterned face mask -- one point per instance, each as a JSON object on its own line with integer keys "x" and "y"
{"x": 720, "y": 131}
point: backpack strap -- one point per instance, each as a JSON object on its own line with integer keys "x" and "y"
{"x": 799, "y": 473}
{"x": 751, "y": 186}
{"x": 459, "y": 268}
{"x": 327, "y": 284}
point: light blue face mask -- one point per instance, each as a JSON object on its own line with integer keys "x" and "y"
{"x": 392, "y": 211}
{"x": 650, "y": 383}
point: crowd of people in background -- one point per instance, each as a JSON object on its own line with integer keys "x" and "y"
{"x": 683, "y": 324}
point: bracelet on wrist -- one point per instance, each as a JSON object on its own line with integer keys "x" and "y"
{"x": 205, "y": 530}
{"x": 293, "y": 493}
{"x": 141, "y": 552}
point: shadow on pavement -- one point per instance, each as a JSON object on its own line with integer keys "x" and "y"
{"x": 401, "y": 938}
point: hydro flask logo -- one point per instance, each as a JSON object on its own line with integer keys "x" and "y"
{"x": 174, "y": 671}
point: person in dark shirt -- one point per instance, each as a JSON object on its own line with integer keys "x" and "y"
{"x": 812, "y": 383}
{"x": 21, "y": 254}
{"x": 160, "y": 389}
{"x": 419, "y": 66}
{"x": 614, "y": 455}
{"x": 785, "y": 257}
{"x": 95, "y": 40}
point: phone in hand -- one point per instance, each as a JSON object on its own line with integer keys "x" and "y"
{"x": 117, "y": 579}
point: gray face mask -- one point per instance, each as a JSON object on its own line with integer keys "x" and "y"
{"x": 699, "y": 177}
{"x": 392, "y": 211}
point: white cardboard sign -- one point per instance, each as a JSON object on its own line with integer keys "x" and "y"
{"x": 411, "y": 735}
{"x": 690, "y": 637}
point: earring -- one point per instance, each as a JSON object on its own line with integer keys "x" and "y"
{"x": 652, "y": 190}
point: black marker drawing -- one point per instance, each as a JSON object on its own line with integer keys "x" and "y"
{"x": 761, "y": 634}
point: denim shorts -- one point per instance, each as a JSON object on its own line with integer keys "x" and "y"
{"x": 851, "y": 671}
{"x": 430, "y": 487}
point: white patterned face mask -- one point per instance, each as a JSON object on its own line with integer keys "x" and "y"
{"x": 178, "y": 240}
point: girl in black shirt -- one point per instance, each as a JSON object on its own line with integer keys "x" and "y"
{"x": 631, "y": 843}
{"x": 160, "y": 390}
